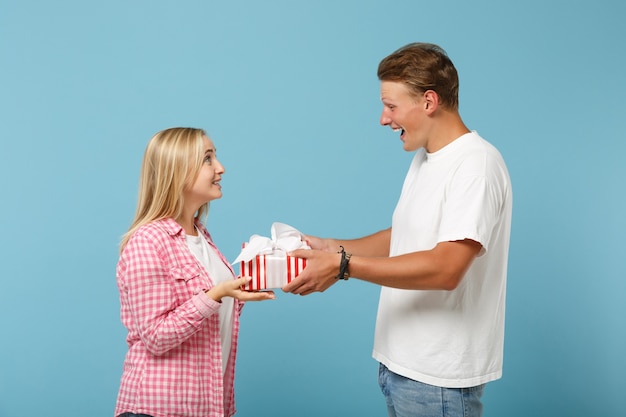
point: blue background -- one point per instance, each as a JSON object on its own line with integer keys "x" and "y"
{"x": 288, "y": 92}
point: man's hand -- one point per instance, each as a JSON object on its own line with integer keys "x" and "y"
{"x": 319, "y": 274}
{"x": 326, "y": 245}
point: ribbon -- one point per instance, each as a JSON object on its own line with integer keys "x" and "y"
{"x": 284, "y": 238}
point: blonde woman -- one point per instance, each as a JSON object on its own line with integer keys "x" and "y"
{"x": 180, "y": 299}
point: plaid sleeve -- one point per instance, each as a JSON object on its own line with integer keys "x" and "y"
{"x": 152, "y": 297}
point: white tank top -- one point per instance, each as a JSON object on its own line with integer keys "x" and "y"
{"x": 218, "y": 272}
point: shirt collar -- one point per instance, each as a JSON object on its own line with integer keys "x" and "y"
{"x": 171, "y": 227}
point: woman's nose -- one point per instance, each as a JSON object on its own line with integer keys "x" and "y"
{"x": 219, "y": 167}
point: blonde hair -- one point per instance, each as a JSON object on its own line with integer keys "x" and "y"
{"x": 171, "y": 163}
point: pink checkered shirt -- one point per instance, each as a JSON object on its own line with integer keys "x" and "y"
{"x": 174, "y": 362}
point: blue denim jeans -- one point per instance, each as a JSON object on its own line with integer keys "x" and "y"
{"x": 133, "y": 415}
{"x": 408, "y": 398}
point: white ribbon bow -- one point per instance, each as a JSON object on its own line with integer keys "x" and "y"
{"x": 284, "y": 238}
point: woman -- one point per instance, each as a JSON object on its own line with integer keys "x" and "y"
{"x": 180, "y": 300}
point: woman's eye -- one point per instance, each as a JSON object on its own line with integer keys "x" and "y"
{"x": 207, "y": 159}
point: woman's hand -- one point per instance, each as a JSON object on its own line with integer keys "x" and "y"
{"x": 233, "y": 289}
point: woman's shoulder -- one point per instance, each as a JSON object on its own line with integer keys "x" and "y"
{"x": 153, "y": 243}
{"x": 160, "y": 227}
{"x": 156, "y": 231}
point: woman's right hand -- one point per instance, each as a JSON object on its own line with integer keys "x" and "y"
{"x": 233, "y": 289}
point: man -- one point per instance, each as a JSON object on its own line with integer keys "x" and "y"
{"x": 442, "y": 264}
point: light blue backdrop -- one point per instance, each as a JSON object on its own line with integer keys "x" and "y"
{"x": 288, "y": 91}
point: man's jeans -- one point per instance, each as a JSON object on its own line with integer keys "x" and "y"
{"x": 408, "y": 398}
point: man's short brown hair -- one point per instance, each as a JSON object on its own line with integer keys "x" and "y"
{"x": 422, "y": 67}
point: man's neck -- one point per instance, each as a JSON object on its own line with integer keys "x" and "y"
{"x": 447, "y": 128}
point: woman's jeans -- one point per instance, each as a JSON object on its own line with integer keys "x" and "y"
{"x": 408, "y": 398}
{"x": 133, "y": 415}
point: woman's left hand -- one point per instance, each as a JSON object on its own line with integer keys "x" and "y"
{"x": 233, "y": 289}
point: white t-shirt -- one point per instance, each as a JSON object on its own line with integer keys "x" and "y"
{"x": 219, "y": 272}
{"x": 450, "y": 338}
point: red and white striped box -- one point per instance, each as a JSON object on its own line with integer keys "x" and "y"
{"x": 272, "y": 270}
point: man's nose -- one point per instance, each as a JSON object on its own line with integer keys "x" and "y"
{"x": 384, "y": 119}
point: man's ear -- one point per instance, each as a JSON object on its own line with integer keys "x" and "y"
{"x": 431, "y": 101}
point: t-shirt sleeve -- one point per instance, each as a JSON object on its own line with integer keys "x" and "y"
{"x": 470, "y": 208}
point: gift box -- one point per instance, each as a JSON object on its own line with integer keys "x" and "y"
{"x": 266, "y": 260}
{"x": 272, "y": 270}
